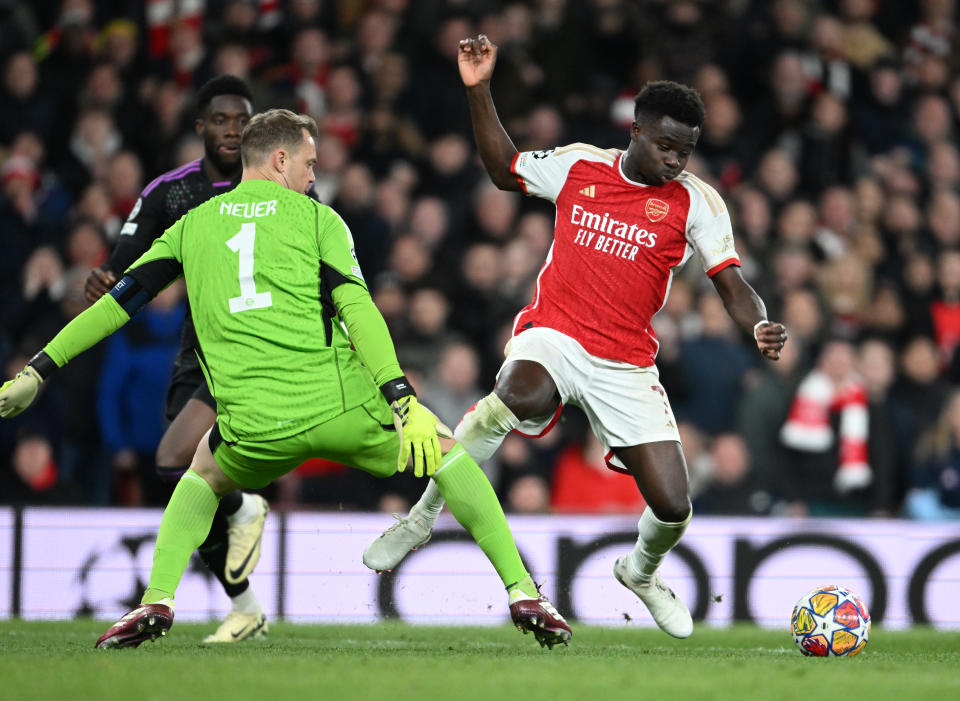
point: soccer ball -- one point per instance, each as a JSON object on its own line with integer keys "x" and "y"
{"x": 830, "y": 622}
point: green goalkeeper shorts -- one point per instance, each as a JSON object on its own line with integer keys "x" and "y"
{"x": 363, "y": 437}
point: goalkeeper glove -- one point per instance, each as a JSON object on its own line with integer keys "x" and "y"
{"x": 417, "y": 429}
{"x": 17, "y": 394}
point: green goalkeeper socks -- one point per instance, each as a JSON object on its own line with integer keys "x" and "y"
{"x": 185, "y": 524}
{"x": 473, "y": 503}
{"x": 187, "y": 518}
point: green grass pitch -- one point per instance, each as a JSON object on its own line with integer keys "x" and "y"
{"x": 394, "y": 662}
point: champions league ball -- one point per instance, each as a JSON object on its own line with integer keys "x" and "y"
{"x": 830, "y": 622}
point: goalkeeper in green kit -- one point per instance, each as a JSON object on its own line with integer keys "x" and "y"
{"x": 271, "y": 274}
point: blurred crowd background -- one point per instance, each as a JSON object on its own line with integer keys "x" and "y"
{"x": 831, "y": 132}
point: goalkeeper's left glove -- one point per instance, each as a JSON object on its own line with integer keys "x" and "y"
{"x": 417, "y": 429}
{"x": 17, "y": 394}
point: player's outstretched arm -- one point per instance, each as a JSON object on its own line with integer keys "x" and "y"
{"x": 152, "y": 273}
{"x": 746, "y": 308}
{"x": 88, "y": 328}
{"x": 476, "y": 59}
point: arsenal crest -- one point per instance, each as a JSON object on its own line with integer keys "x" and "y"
{"x": 656, "y": 209}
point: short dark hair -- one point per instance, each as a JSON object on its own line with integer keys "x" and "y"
{"x": 222, "y": 85}
{"x": 661, "y": 98}
{"x": 273, "y": 129}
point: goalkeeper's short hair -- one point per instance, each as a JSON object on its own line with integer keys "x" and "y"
{"x": 273, "y": 129}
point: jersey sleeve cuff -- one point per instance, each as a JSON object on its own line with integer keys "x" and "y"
{"x": 720, "y": 266}
{"x": 513, "y": 169}
{"x": 43, "y": 364}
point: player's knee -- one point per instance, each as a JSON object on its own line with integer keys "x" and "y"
{"x": 527, "y": 403}
{"x": 171, "y": 474}
{"x": 173, "y": 458}
{"x": 214, "y": 476}
{"x": 528, "y": 390}
{"x": 672, "y": 509}
{"x": 172, "y": 452}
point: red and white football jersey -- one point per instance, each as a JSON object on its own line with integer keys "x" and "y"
{"x": 617, "y": 244}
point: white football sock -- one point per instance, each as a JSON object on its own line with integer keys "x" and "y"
{"x": 480, "y": 432}
{"x": 655, "y": 541}
{"x": 246, "y": 602}
{"x": 249, "y": 510}
{"x": 429, "y": 506}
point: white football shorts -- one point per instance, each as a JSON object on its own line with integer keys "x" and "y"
{"x": 625, "y": 404}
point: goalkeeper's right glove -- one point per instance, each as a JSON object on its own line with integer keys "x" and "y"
{"x": 417, "y": 429}
{"x": 17, "y": 394}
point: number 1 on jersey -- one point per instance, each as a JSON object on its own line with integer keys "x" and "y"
{"x": 249, "y": 298}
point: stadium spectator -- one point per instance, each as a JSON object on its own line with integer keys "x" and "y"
{"x": 713, "y": 365}
{"x": 945, "y": 307}
{"x": 522, "y": 477}
{"x": 880, "y": 117}
{"x": 355, "y": 202}
{"x": 22, "y": 104}
{"x": 828, "y": 430}
{"x": 723, "y": 145}
{"x": 763, "y": 411}
{"x": 934, "y": 487}
{"x": 733, "y": 487}
{"x": 582, "y": 482}
{"x": 889, "y": 446}
{"x": 131, "y": 394}
{"x": 421, "y": 347}
{"x": 920, "y": 387}
{"x": 38, "y": 479}
{"x": 451, "y": 387}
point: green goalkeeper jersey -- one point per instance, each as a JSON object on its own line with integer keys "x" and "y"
{"x": 261, "y": 263}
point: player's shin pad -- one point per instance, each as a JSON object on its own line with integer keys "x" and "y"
{"x": 474, "y": 504}
{"x": 482, "y": 429}
{"x": 184, "y": 526}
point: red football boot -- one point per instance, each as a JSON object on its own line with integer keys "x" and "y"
{"x": 146, "y": 622}
{"x": 537, "y": 615}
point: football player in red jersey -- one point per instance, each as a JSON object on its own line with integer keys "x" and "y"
{"x": 625, "y": 221}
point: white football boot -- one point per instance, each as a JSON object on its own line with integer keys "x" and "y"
{"x": 390, "y": 547}
{"x": 239, "y": 626}
{"x": 669, "y": 612}
{"x": 243, "y": 544}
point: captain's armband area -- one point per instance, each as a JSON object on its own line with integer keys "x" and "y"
{"x": 144, "y": 282}
{"x": 130, "y": 295}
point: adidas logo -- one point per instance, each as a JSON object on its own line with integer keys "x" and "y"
{"x": 589, "y": 191}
